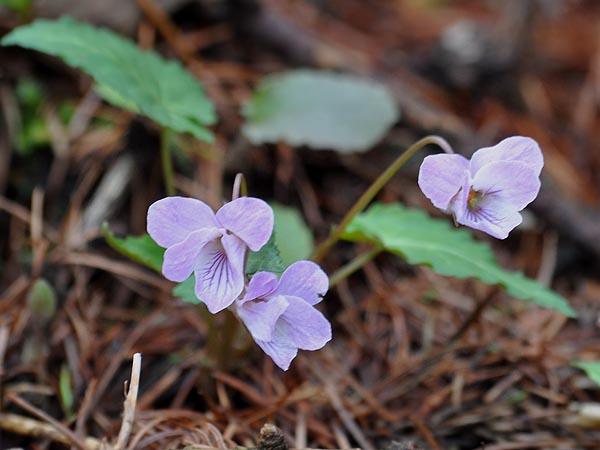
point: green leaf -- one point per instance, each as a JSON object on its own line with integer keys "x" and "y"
{"x": 185, "y": 291}
{"x": 142, "y": 248}
{"x": 266, "y": 259}
{"x": 591, "y": 368}
{"x": 41, "y": 301}
{"x": 65, "y": 389}
{"x": 136, "y": 79}
{"x": 293, "y": 237}
{"x": 420, "y": 239}
{"x": 115, "y": 98}
{"x": 320, "y": 110}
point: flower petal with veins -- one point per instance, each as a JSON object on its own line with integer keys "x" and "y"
{"x": 282, "y": 318}
{"x": 180, "y": 259}
{"x": 219, "y": 272}
{"x": 487, "y": 192}
{"x": 212, "y": 246}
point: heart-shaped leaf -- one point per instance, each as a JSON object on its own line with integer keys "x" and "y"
{"x": 129, "y": 77}
{"x": 319, "y": 109}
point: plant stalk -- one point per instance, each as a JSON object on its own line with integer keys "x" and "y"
{"x": 240, "y": 188}
{"x": 324, "y": 248}
{"x": 353, "y": 266}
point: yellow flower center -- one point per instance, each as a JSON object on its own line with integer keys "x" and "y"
{"x": 473, "y": 199}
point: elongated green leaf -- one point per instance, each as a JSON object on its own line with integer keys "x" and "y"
{"x": 65, "y": 389}
{"x": 420, "y": 239}
{"x": 139, "y": 248}
{"x": 136, "y": 79}
{"x": 591, "y": 368}
{"x": 320, "y": 110}
{"x": 293, "y": 238}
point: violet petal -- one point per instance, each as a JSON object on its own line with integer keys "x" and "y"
{"x": 510, "y": 182}
{"x": 251, "y": 219}
{"x": 280, "y": 349}
{"x": 261, "y": 285}
{"x": 172, "y": 219}
{"x": 459, "y": 204}
{"x": 306, "y": 280}
{"x": 180, "y": 259}
{"x": 260, "y": 317}
{"x": 306, "y": 326}
{"x": 515, "y": 148}
{"x": 492, "y": 217}
{"x": 441, "y": 176}
{"x": 219, "y": 271}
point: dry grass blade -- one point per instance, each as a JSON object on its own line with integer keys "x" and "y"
{"x": 30, "y": 427}
{"x": 26, "y": 426}
{"x": 130, "y": 403}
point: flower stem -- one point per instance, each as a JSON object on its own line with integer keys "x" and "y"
{"x": 222, "y": 330}
{"x": 240, "y": 188}
{"x": 353, "y": 266}
{"x": 324, "y": 248}
{"x": 226, "y": 338}
{"x": 167, "y": 163}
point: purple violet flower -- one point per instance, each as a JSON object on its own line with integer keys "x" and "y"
{"x": 281, "y": 316}
{"x": 212, "y": 246}
{"x": 487, "y": 192}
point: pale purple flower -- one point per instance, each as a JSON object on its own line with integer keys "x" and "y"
{"x": 212, "y": 246}
{"x": 487, "y": 192}
{"x": 281, "y": 316}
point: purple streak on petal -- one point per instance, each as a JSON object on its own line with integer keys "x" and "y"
{"x": 459, "y": 204}
{"x": 219, "y": 271}
{"x": 304, "y": 324}
{"x": 261, "y": 285}
{"x": 172, "y": 219}
{"x": 306, "y": 280}
{"x": 516, "y": 148}
{"x": 441, "y": 176}
{"x": 492, "y": 217}
{"x": 251, "y": 219}
{"x": 509, "y": 182}
{"x": 260, "y": 317}
{"x": 280, "y": 349}
{"x": 180, "y": 259}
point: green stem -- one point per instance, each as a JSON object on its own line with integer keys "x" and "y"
{"x": 353, "y": 266}
{"x": 227, "y": 336}
{"x": 167, "y": 163}
{"x": 324, "y": 248}
{"x": 220, "y": 336}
